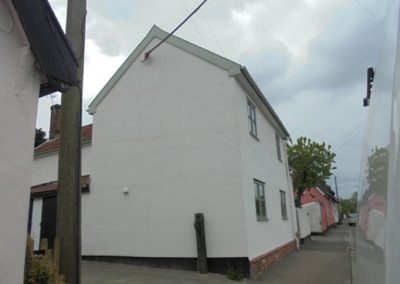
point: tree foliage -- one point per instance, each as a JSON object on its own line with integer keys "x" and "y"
{"x": 312, "y": 163}
{"x": 39, "y": 136}
{"x": 377, "y": 171}
{"x": 349, "y": 205}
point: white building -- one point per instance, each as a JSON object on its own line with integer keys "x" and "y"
{"x": 183, "y": 132}
{"x": 23, "y": 30}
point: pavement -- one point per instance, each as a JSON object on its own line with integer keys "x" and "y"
{"x": 323, "y": 259}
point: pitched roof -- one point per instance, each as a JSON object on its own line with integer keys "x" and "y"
{"x": 49, "y": 45}
{"x": 234, "y": 69}
{"x": 329, "y": 192}
{"x": 52, "y": 186}
{"x": 53, "y": 144}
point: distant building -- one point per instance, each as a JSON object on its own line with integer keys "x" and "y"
{"x": 35, "y": 60}
{"x": 322, "y": 208}
{"x": 185, "y": 131}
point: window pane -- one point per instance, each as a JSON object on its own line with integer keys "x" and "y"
{"x": 263, "y": 209}
{"x": 257, "y": 208}
{"x": 283, "y": 204}
{"x": 278, "y": 146}
{"x": 259, "y": 196}
{"x": 251, "y": 109}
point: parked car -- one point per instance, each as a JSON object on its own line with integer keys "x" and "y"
{"x": 352, "y": 220}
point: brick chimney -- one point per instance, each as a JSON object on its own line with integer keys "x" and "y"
{"x": 55, "y": 121}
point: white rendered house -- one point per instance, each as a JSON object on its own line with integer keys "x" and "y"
{"x": 28, "y": 69}
{"x": 186, "y": 131}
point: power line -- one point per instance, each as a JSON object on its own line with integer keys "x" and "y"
{"x": 212, "y": 31}
{"x": 194, "y": 23}
{"x": 351, "y": 132}
{"x": 368, "y": 11}
{"x": 349, "y": 139}
{"x": 147, "y": 54}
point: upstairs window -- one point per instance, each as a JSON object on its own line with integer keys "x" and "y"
{"x": 283, "y": 205}
{"x": 278, "y": 146}
{"x": 251, "y": 110}
{"x": 261, "y": 209}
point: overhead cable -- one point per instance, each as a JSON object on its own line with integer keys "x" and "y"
{"x": 368, "y": 11}
{"x": 147, "y": 54}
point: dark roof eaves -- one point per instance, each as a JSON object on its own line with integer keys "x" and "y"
{"x": 47, "y": 28}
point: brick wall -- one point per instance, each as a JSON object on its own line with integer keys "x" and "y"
{"x": 263, "y": 262}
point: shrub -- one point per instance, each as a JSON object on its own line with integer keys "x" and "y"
{"x": 234, "y": 274}
{"x": 40, "y": 270}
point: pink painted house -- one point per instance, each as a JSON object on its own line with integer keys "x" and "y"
{"x": 322, "y": 208}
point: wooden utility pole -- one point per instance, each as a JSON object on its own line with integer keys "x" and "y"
{"x": 68, "y": 229}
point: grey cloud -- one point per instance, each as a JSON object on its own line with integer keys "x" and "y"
{"x": 342, "y": 54}
{"x": 337, "y": 59}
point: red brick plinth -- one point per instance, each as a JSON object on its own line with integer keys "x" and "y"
{"x": 262, "y": 263}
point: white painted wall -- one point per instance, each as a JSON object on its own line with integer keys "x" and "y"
{"x": 45, "y": 167}
{"x": 19, "y": 94}
{"x": 259, "y": 160}
{"x": 336, "y": 211}
{"x": 313, "y": 210}
{"x": 168, "y": 132}
{"x": 304, "y": 222}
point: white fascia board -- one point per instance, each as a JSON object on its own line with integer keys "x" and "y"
{"x": 323, "y": 193}
{"x": 310, "y": 204}
{"x": 231, "y": 67}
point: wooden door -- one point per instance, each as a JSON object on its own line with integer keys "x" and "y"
{"x": 49, "y": 216}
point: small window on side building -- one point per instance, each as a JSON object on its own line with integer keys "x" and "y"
{"x": 283, "y": 205}
{"x": 251, "y": 111}
{"x": 278, "y": 146}
{"x": 261, "y": 209}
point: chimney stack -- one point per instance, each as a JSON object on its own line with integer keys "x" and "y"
{"x": 55, "y": 121}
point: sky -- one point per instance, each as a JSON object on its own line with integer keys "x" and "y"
{"x": 309, "y": 57}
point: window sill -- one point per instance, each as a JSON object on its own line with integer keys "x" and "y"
{"x": 262, "y": 219}
{"x": 254, "y": 136}
{"x": 285, "y": 219}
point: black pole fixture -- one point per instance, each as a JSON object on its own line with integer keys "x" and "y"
{"x": 370, "y": 81}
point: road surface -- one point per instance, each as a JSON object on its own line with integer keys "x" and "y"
{"x": 323, "y": 259}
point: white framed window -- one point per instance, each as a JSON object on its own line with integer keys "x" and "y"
{"x": 251, "y": 111}
{"x": 261, "y": 208}
{"x": 283, "y": 205}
